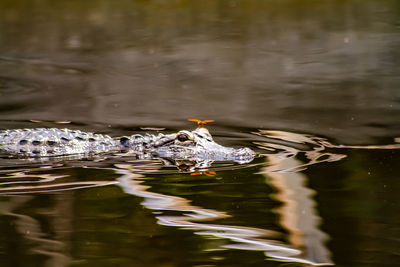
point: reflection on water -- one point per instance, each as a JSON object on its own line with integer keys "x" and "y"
{"x": 292, "y": 233}
{"x": 25, "y": 180}
{"x": 192, "y": 217}
{"x": 329, "y": 68}
{"x": 30, "y": 229}
{"x": 246, "y": 238}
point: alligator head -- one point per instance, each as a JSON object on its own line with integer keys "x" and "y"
{"x": 195, "y": 145}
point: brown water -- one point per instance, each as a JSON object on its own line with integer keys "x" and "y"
{"x": 313, "y": 86}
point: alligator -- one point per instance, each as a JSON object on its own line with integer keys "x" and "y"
{"x": 197, "y": 145}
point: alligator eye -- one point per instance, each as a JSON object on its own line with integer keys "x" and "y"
{"x": 183, "y": 137}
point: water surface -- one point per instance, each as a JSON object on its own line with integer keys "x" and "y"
{"x": 311, "y": 86}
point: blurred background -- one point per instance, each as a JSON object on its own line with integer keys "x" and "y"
{"x": 324, "y": 67}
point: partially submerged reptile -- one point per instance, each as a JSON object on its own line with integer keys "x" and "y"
{"x": 197, "y": 145}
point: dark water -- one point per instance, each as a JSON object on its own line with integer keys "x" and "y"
{"x": 313, "y": 86}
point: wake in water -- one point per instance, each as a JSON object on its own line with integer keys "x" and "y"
{"x": 282, "y": 156}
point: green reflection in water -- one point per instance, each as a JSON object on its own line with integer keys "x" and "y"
{"x": 268, "y": 205}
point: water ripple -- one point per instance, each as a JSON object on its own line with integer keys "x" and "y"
{"x": 282, "y": 157}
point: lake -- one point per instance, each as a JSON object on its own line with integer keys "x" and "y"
{"x": 311, "y": 86}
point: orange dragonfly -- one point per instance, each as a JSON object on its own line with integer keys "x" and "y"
{"x": 201, "y": 123}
